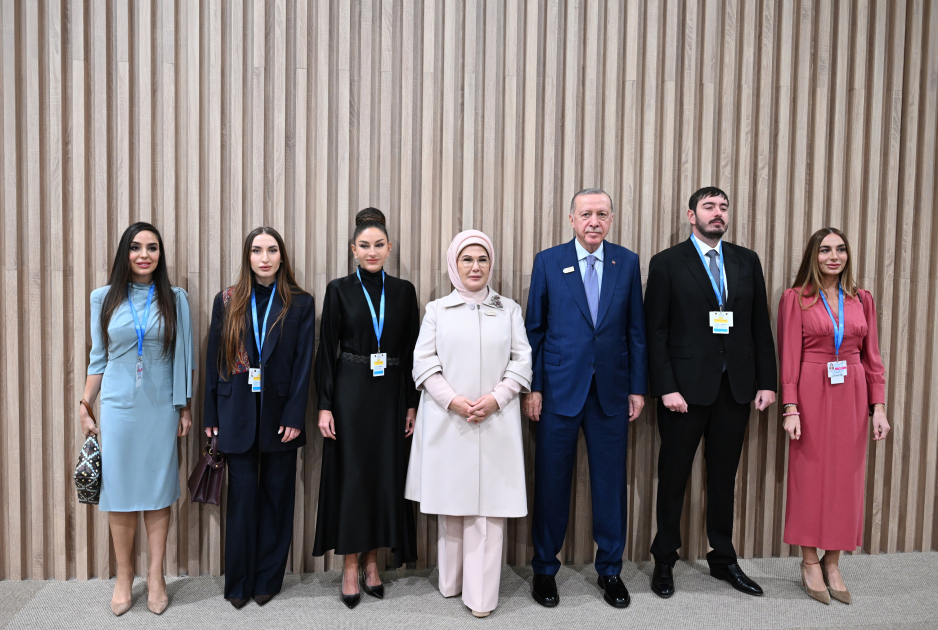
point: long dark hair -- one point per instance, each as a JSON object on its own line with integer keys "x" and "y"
{"x": 121, "y": 276}
{"x": 233, "y": 328}
{"x": 808, "y": 280}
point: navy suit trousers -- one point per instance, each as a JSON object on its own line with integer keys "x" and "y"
{"x": 607, "y": 440}
{"x": 259, "y": 526}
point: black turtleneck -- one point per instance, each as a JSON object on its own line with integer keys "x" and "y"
{"x": 373, "y": 284}
{"x": 262, "y": 295}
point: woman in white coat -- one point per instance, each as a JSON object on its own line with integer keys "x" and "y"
{"x": 467, "y": 463}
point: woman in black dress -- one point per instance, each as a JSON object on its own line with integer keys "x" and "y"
{"x": 367, "y": 408}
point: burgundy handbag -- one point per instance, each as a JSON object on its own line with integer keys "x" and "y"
{"x": 205, "y": 480}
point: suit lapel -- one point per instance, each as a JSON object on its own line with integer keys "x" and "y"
{"x": 273, "y": 332}
{"x": 574, "y": 279}
{"x": 611, "y": 266}
{"x": 695, "y": 266}
{"x": 249, "y": 343}
{"x": 731, "y": 269}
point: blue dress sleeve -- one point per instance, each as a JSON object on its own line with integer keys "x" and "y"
{"x": 182, "y": 355}
{"x": 97, "y": 360}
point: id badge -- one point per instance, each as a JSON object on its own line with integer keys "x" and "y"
{"x": 254, "y": 380}
{"x": 837, "y": 370}
{"x": 378, "y": 362}
{"x": 139, "y": 371}
{"x": 721, "y": 322}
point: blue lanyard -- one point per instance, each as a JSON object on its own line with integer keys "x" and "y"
{"x": 838, "y": 330}
{"x": 259, "y": 337}
{"x": 703, "y": 259}
{"x": 376, "y": 320}
{"x": 141, "y": 328}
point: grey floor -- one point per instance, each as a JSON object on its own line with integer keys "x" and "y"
{"x": 890, "y": 592}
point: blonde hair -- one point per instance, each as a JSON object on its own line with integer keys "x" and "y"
{"x": 808, "y": 280}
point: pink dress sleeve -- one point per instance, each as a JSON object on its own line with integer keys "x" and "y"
{"x": 505, "y": 391}
{"x": 439, "y": 390}
{"x": 790, "y": 342}
{"x": 869, "y": 354}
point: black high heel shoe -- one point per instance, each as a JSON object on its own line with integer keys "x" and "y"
{"x": 374, "y": 591}
{"x": 350, "y": 600}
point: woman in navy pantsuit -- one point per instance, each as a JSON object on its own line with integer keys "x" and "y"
{"x": 257, "y": 371}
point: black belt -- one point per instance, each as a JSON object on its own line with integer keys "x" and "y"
{"x": 355, "y": 358}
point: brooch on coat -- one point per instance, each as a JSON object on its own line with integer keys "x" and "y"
{"x": 495, "y": 300}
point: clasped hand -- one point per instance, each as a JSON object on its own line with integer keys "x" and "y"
{"x": 476, "y": 411}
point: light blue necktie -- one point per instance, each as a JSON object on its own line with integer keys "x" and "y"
{"x": 591, "y": 282}
{"x": 715, "y": 272}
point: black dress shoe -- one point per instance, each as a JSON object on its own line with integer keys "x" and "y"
{"x": 734, "y": 575}
{"x": 263, "y": 599}
{"x": 614, "y": 591}
{"x": 545, "y": 590}
{"x": 374, "y": 591}
{"x": 351, "y": 600}
{"x": 238, "y": 603}
{"x": 662, "y": 580}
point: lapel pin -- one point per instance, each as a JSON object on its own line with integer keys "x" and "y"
{"x": 568, "y": 270}
{"x": 613, "y": 262}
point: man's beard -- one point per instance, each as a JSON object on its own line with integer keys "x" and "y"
{"x": 713, "y": 231}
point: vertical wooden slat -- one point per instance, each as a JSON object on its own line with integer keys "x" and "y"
{"x": 11, "y": 99}
{"x": 925, "y": 519}
{"x": 75, "y": 560}
{"x": 29, "y": 26}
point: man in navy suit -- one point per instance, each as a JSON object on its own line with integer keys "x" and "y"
{"x": 586, "y": 326}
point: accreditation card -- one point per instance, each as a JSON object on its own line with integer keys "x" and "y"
{"x": 378, "y": 362}
{"x": 721, "y": 322}
{"x": 837, "y": 370}
{"x": 254, "y": 380}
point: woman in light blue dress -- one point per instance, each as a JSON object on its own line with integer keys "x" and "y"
{"x": 141, "y": 362}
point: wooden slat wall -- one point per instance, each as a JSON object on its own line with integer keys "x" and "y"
{"x": 210, "y": 118}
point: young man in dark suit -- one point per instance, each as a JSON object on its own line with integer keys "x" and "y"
{"x": 711, "y": 353}
{"x": 586, "y": 327}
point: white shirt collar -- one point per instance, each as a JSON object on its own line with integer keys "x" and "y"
{"x": 581, "y": 252}
{"x": 704, "y": 248}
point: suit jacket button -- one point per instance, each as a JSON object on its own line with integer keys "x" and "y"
{"x": 721, "y": 350}
{"x": 591, "y": 365}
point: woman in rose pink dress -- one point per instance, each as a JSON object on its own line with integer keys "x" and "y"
{"x": 833, "y": 382}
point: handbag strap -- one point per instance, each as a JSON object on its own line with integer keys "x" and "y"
{"x": 214, "y": 455}
{"x": 89, "y": 409}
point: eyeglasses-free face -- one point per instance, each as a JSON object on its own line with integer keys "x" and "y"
{"x": 591, "y": 219}
{"x": 371, "y": 249}
{"x": 144, "y": 256}
{"x": 265, "y": 259}
{"x": 832, "y": 255}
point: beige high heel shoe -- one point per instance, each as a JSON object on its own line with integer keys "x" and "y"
{"x": 119, "y": 608}
{"x": 841, "y": 596}
{"x": 157, "y": 608}
{"x": 822, "y": 596}
{"x": 160, "y": 607}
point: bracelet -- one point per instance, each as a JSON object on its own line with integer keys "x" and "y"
{"x": 791, "y": 413}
